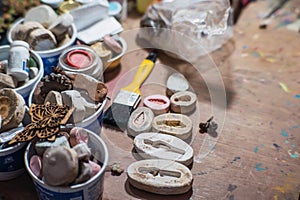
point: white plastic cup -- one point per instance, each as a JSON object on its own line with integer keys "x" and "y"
{"x": 11, "y": 158}
{"x": 89, "y": 190}
{"x": 12, "y": 164}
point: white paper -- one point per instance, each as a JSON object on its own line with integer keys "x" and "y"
{"x": 96, "y": 32}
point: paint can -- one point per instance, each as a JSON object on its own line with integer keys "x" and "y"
{"x": 81, "y": 59}
{"x": 90, "y": 190}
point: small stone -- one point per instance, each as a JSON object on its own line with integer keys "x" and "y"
{"x": 176, "y": 83}
{"x": 104, "y": 53}
{"x": 43, "y": 14}
{"x": 96, "y": 90}
{"x": 112, "y": 44}
{"x": 54, "y": 97}
{"x": 77, "y": 136}
{"x": 61, "y": 26}
{"x": 41, "y": 40}
{"x": 116, "y": 169}
{"x": 33, "y": 72}
{"x": 72, "y": 98}
{"x": 36, "y": 165}
{"x": 22, "y": 31}
{"x": 6, "y": 81}
{"x": 60, "y": 166}
{"x": 83, "y": 151}
{"x": 85, "y": 173}
{"x": 95, "y": 167}
{"x": 41, "y": 147}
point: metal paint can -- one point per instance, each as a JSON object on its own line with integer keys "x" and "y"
{"x": 81, "y": 59}
{"x": 66, "y": 6}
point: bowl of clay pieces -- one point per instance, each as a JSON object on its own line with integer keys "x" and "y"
{"x": 36, "y": 68}
{"x": 14, "y": 116}
{"x": 82, "y": 92}
{"x": 110, "y": 51}
{"x": 46, "y": 32}
{"x": 70, "y": 167}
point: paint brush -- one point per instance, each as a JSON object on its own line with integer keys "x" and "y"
{"x": 117, "y": 115}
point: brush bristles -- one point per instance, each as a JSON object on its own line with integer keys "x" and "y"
{"x": 117, "y": 115}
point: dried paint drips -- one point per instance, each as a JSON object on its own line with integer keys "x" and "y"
{"x": 277, "y": 146}
{"x": 256, "y": 149}
{"x": 293, "y": 155}
{"x": 259, "y": 168}
{"x": 284, "y": 133}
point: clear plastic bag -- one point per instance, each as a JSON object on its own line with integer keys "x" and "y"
{"x": 188, "y": 29}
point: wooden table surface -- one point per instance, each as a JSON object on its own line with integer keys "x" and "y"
{"x": 256, "y": 152}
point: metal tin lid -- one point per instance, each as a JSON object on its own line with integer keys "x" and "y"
{"x": 66, "y": 6}
{"x": 79, "y": 59}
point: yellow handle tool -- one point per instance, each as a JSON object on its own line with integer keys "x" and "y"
{"x": 143, "y": 71}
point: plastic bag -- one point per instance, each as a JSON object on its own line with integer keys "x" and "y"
{"x": 188, "y": 29}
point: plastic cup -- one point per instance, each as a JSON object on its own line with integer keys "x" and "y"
{"x": 89, "y": 190}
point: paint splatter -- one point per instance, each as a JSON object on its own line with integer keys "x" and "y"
{"x": 256, "y": 149}
{"x": 293, "y": 155}
{"x": 259, "y": 168}
{"x": 297, "y": 96}
{"x": 231, "y": 187}
{"x": 296, "y": 126}
{"x": 277, "y": 146}
{"x": 284, "y": 133}
{"x": 284, "y": 87}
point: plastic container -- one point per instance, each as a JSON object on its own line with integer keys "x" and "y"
{"x": 25, "y": 89}
{"x": 18, "y": 59}
{"x": 49, "y": 57}
{"x": 89, "y": 190}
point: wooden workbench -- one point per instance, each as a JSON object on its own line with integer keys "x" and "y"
{"x": 255, "y": 154}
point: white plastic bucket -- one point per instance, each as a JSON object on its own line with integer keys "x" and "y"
{"x": 25, "y": 89}
{"x": 90, "y": 190}
{"x": 93, "y": 122}
{"x": 11, "y": 160}
{"x": 49, "y": 57}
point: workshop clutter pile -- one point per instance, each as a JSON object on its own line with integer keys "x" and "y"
{"x": 52, "y": 94}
